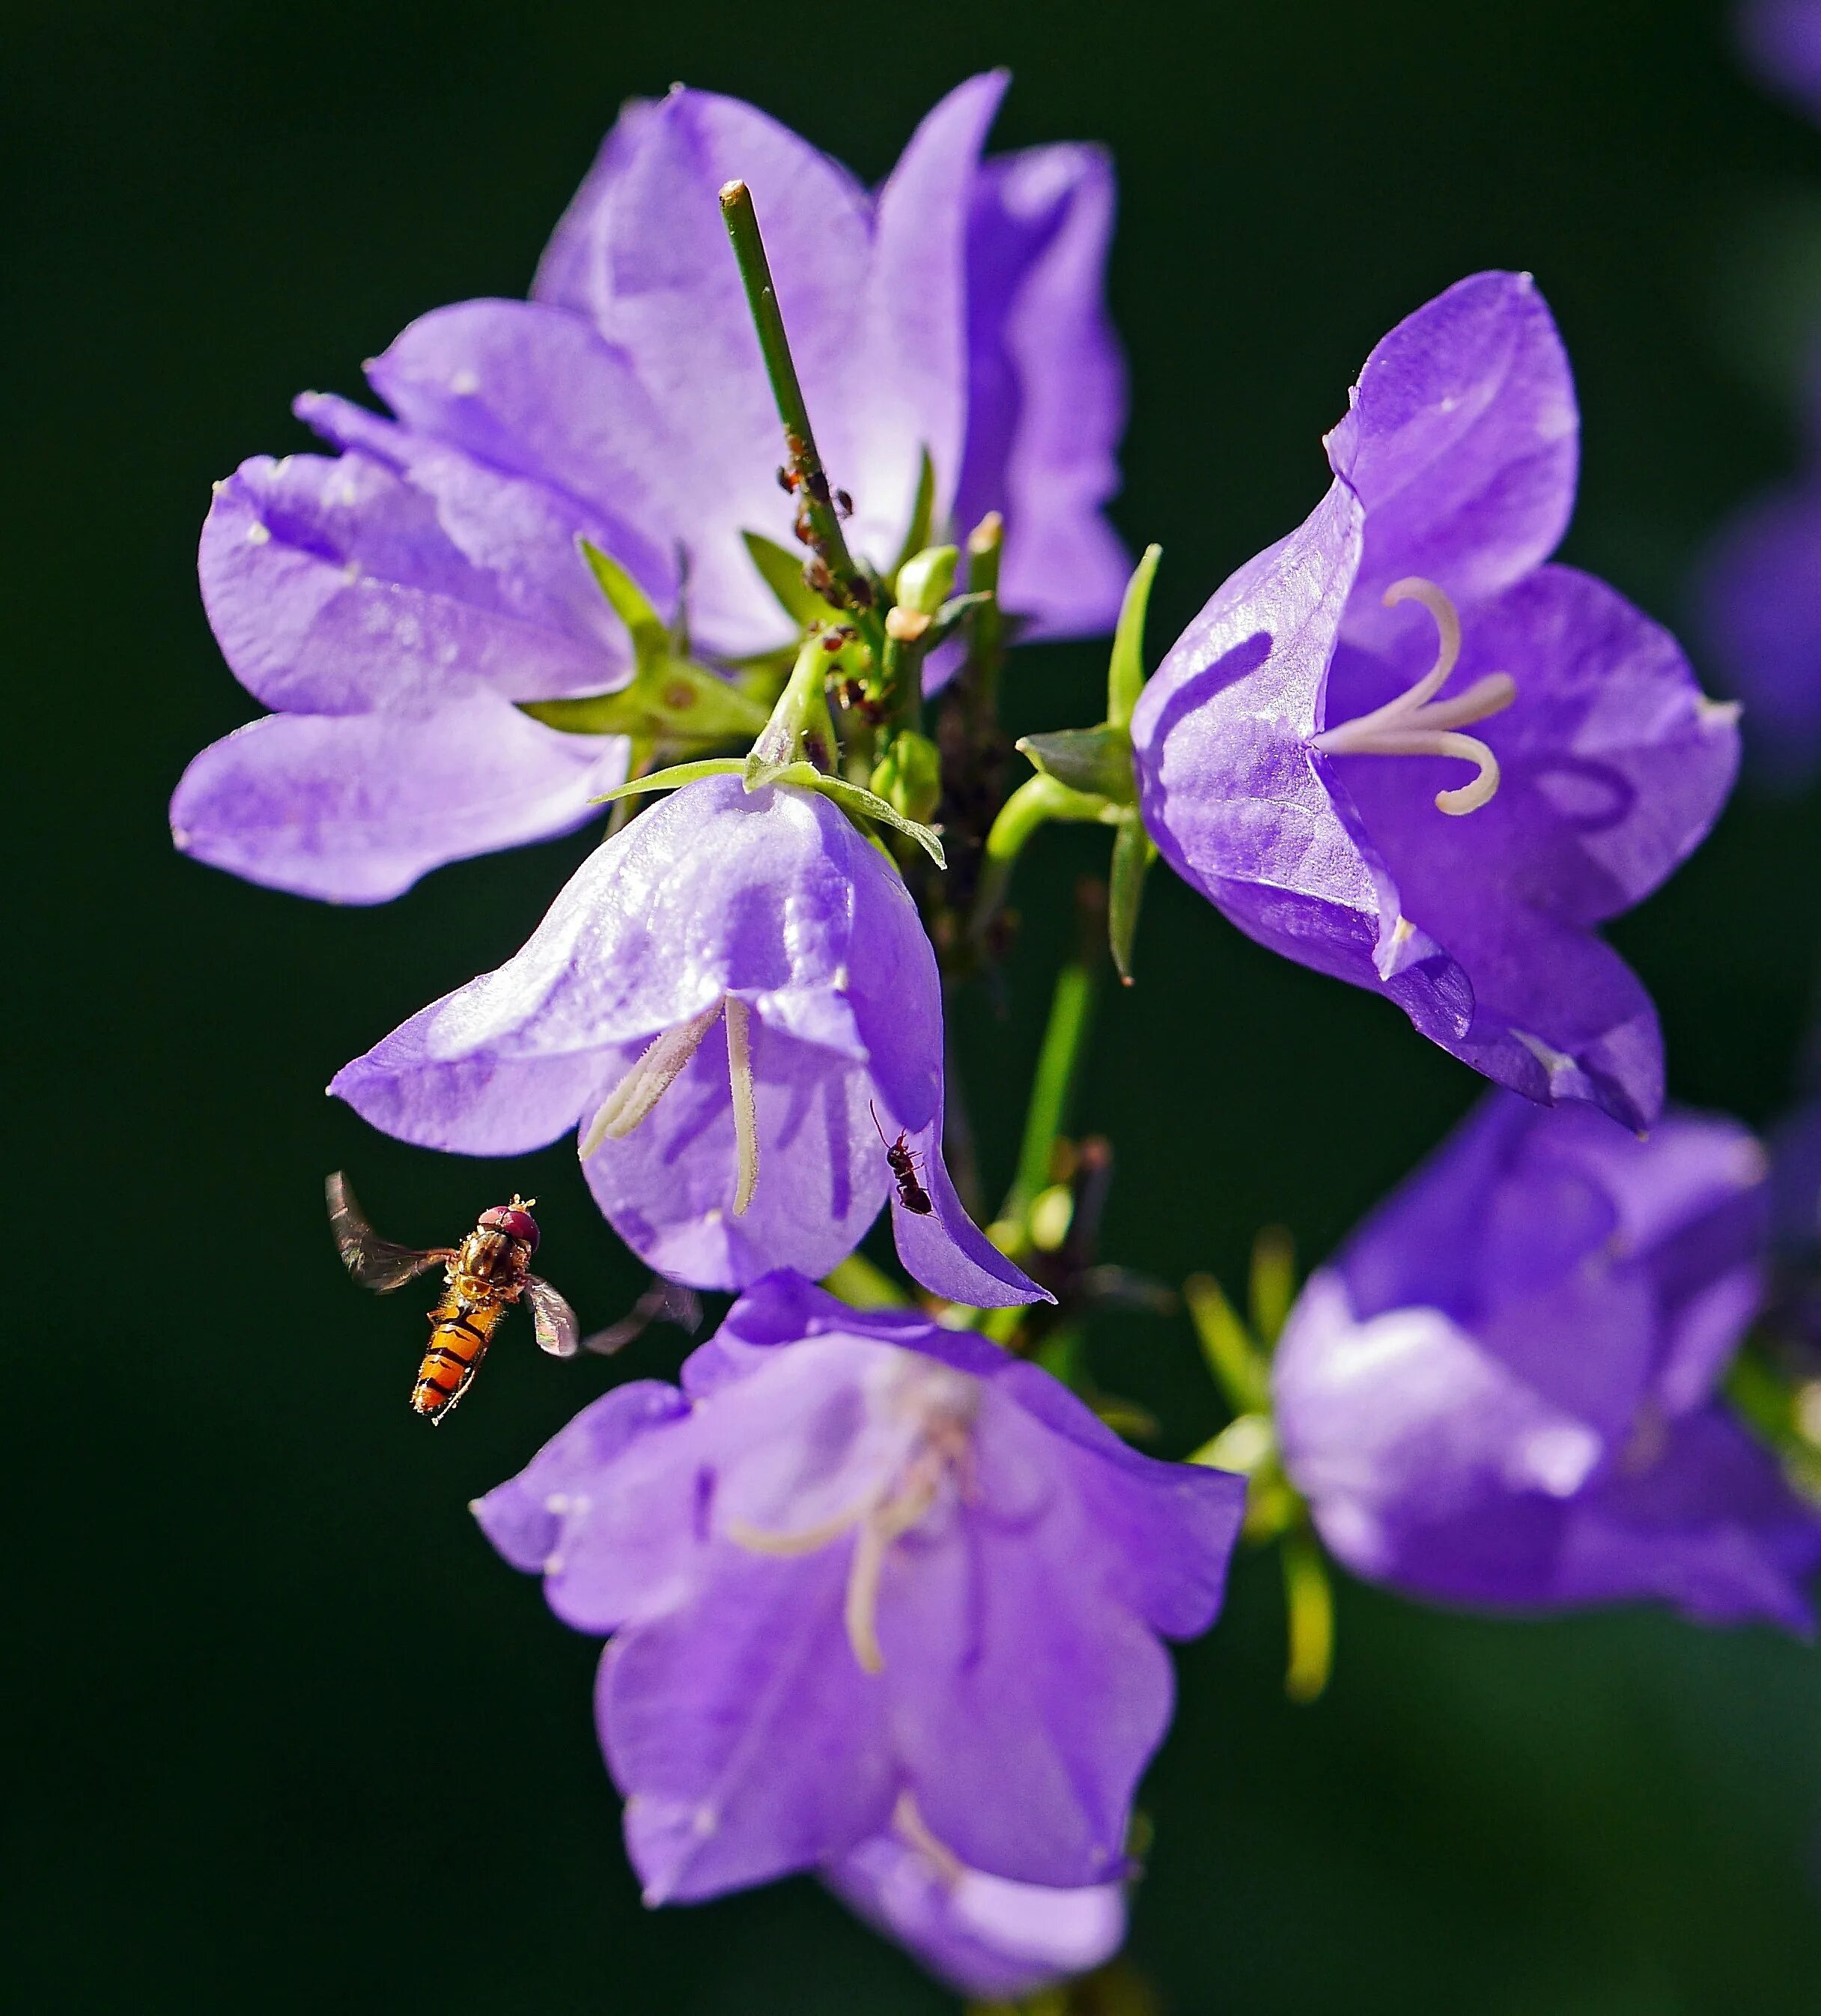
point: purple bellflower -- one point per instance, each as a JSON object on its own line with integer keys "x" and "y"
{"x": 735, "y": 1002}
{"x": 984, "y": 1936}
{"x": 1759, "y": 598}
{"x": 864, "y": 1573}
{"x": 1504, "y": 1390}
{"x": 1299, "y": 751}
{"x": 1781, "y": 40}
{"x": 393, "y": 603}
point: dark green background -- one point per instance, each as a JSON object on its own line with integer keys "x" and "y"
{"x": 285, "y": 1735}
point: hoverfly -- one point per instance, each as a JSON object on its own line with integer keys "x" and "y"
{"x": 901, "y": 1161}
{"x": 484, "y": 1276}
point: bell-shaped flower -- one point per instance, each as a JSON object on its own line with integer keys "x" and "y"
{"x": 1505, "y": 1390}
{"x": 861, "y": 1560}
{"x": 1400, "y": 748}
{"x": 734, "y": 1001}
{"x": 1759, "y": 601}
{"x": 986, "y": 1936}
{"x": 1781, "y": 40}
{"x": 396, "y": 605}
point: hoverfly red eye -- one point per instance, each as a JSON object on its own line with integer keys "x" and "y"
{"x": 516, "y": 1224}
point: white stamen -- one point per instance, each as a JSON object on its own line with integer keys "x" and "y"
{"x": 762, "y": 1540}
{"x": 883, "y": 1515}
{"x": 659, "y": 1067}
{"x": 1417, "y": 723}
{"x": 910, "y": 1826}
{"x": 746, "y": 1112}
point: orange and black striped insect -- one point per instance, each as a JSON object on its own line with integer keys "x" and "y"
{"x": 903, "y": 1163}
{"x": 484, "y": 1277}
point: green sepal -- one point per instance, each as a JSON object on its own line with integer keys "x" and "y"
{"x": 674, "y": 777}
{"x": 669, "y": 700}
{"x": 781, "y": 571}
{"x": 630, "y": 604}
{"x": 669, "y": 697}
{"x": 1133, "y": 852}
{"x": 1096, "y": 761}
{"x": 951, "y": 615}
{"x": 859, "y": 803}
{"x": 1125, "y": 667}
{"x": 923, "y": 515}
{"x": 909, "y": 776}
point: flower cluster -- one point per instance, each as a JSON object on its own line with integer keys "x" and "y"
{"x": 885, "y": 1599}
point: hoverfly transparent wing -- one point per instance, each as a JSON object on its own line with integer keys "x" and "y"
{"x": 664, "y": 1301}
{"x": 375, "y": 1262}
{"x": 558, "y": 1331}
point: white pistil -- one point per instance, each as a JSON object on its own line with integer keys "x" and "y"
{"x": 659, "y": 1067}
{"x": 1417, "y": 723}
{"x": 746, "y": 1112}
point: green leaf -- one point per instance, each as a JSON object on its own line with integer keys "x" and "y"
{"x": 1126, "y": 668}
{"x": 923, "y": 515}
{"x": 630, "y": 602}
{"x": 678, "y": 774}
{"x": 781, "y": 571}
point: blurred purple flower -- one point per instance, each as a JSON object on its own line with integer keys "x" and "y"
{"x": 1504, "y": 1390}
{"x": 1781, "y": 40}
{"x": 1759, "y": 595}
{"x": 1263, "y": 742}
{"x": 391, "y": 604}
{"x": 860, "y": 1559}
{"x": 984, "y": 1936}
{"x": 732, "y": 998}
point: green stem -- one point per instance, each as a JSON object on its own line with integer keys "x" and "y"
{"x": 1036, "y": 801}
{"x": 1309, "y": 1606}
{"x": 805, "y": 463}
{"x": 1058, "y": 1063}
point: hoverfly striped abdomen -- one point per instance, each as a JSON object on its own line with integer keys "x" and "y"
{"x": 460, "y": 1332}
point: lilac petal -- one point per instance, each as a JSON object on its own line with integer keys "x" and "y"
{"x": 1557, "y": 1015}
{"x": 1402, "y": 1423}
{"x": 1781, "y": 39}
{"x": 1461, "y": 442}
{"x": 1692, "y": 1217}
{"x": 333, "y": 588}
{"x": 1046, "y": 387}
{"x": 353, "y": 809}
{"x": 646, "y": 258}
{"x": 1240, "y": 805}
{"x": 520, "y": 533}
{"x": 666, "y": 1187}
{"x": 945, "y": 1249}
{"x": 917, "y": 393}
{"x": 1760, "y": 606}
{"x": 1709, "y": 1526}
{"x": 1612, "y": 765}
{"x": 610, "y": 1535}
{"x": 1026, "y": 1696}
{"x": 711, "y": 889}
{"x": 985, "y": 1937}
{"x": 532, "y": 390}
{"x": 747, "y": 1740}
